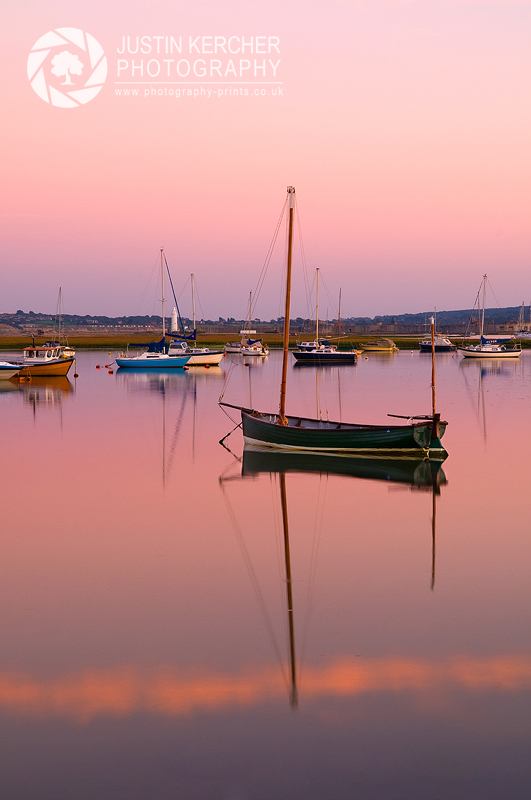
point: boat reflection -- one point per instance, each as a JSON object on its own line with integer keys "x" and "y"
{"x": 476, "y": 371}
{"x": 418, "y": 473}
{"x": 177, "y": 379}
{"x": 425, "y": 475}
{"x": 40, "y": 391}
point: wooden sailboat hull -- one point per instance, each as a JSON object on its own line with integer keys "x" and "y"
{"x": 53, "y": 368}
{"x": 323, "y": 436}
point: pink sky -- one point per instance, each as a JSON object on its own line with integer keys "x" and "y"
{"x": 404, "y": 126}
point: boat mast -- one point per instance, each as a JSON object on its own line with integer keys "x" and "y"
{"x": 282, "y": 413}
{"x": 317, "y": 310}
{"x": 339, "y": 317}
{"x": 193, "y": 303}
{"x": 432, "y": 323}
{"x": 162, "y": 287}
{"x": 483, "y": 309}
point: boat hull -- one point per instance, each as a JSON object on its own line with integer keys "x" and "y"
{"x": 210, "y": 359}
{"x": 320, "y": 436}
{"x": 177, "y": 362}
{"x": 8, "y": 371}
{"x": 471, "y": 353}
{"x": 55, "y": 368}
{"x": 315, "y": 357}
{"x": 425, "y": 347}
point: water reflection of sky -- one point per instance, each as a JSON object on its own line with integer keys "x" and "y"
{"x": 144, "y": 621}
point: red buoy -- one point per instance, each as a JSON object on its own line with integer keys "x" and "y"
{"x": 246, "y": 364}
{"x": 76, "y": 375}
{"x": 97, "y": 366}
{"x": 111, "y": 372}
{"x": 207, "y": 366}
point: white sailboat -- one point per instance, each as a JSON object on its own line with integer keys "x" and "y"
{"x": 488, "y": 347}
{"x": 155, "y": 357}
{"x": 199, "y": 356}
{"x": 322, "y": 353}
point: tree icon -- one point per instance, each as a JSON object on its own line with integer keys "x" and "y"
{"x": 65, "y": 63}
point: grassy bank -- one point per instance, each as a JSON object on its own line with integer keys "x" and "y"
{"x": 119, "y": 341}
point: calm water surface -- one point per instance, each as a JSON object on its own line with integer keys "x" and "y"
{"x": 144, "y": 626}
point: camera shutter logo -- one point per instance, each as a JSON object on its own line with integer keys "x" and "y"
{"x": 67, "y": 67}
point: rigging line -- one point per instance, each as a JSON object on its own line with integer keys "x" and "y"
{"x": 199, "y": 303}
{"x": 174, "y": 296}
{"x": 254, "y": 581}
{"x": 154, "y": 271}
{"x": 316, "y": 543}
{"x": 283, "y": 276}
{"x": 184, "y": 287}
{"x": 332, "y": 302}
{"x": 476, "y": 302}
{"x": 303, "y": 257}
{"x": 176, "y": 432}
{"x": 268, "y": 257}
{"x": 493, "y": 294}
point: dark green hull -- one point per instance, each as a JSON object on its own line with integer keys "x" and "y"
{"x": 423, "y": 472}
{"x": 334, "y": 437}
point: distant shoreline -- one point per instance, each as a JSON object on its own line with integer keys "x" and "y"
{"x": 119, "y": 341}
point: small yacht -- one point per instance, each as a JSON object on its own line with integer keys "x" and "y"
{"x": 198, "y": 356}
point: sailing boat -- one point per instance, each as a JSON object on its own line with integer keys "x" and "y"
{"x": 156, "y": 356}
{"x": 199, "y": 356}
{"x": 421, "y": 435}
{"x": 62, "y": 341}
{"x": 487, "y": 348}
{"x": 322, "y": 352}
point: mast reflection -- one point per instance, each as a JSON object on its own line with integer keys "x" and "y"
{"x": 425, "y": 475}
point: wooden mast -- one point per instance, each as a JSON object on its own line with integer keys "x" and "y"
{"x": 435, "y": 417}
{"x": 282, "y": 412}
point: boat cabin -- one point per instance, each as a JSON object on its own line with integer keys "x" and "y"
{"x": 38, "y": 355}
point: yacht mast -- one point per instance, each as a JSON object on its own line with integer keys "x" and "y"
{"x": 317, "y": 310}
{"x": 193, "y": 300}
{"x": 282, "y": 412}
{"x": 162, "y": 287}
{"x": 483, "y": 309}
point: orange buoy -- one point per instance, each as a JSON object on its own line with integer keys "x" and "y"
{"x": 207, "y": 366}
{"x": 111, "y": 372}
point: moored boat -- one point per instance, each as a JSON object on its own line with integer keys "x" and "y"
{"x": 441, "y": 345}
{"x": 156, "y": 356}
{"x": 421, "y": 435}
{"x": 380, "y": 346}
{"x": 9, "y": 370}
{"x": 45, "y": 361}
{"x": 488, "y": 347}
{"x": 323, "y": 352}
